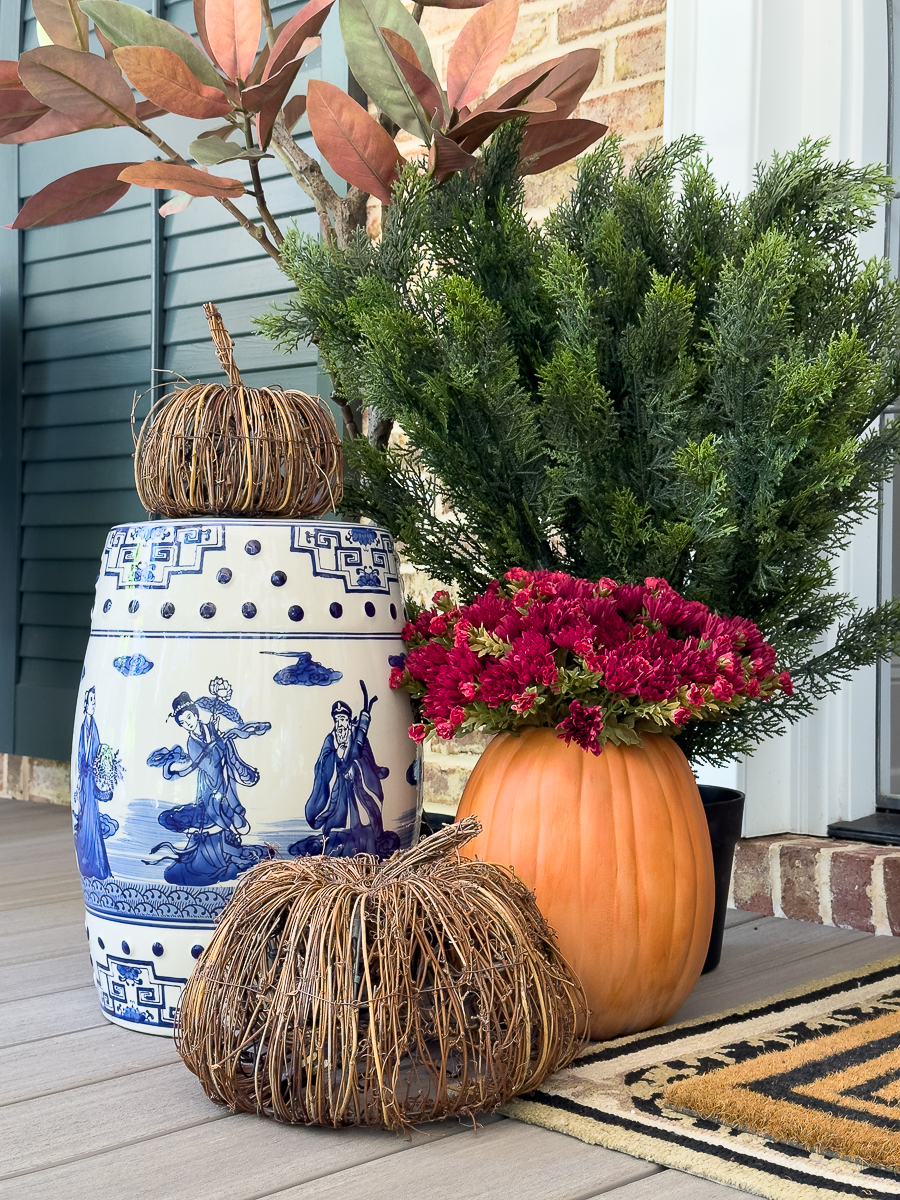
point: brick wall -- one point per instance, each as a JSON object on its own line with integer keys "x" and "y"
{"x": 37, "y": 779}
{"x": 627, "y": 93}
{"x": 847, "y": 884}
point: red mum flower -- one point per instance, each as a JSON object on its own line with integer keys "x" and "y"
{"x": 681, "y": 716}
{"x": 695, "y": 696}
{"x": 524, "y": 702}
{"x": 418, "y": 733}
{"x": 583, "y": 726}
{"x": 787, "y": 684}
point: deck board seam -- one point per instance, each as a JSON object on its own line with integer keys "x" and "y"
{"x": 74, "y": 1087}
{"x": 214, "y": 1117}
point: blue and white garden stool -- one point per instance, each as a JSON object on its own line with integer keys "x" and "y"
{"x": 234, "y": 704}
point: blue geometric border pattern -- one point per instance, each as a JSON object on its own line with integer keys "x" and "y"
{"x": 153, "y": 902}
{"x": 131, "y": 990}
{"x": 360, "y": 556}
{"x": 147, "y": 556}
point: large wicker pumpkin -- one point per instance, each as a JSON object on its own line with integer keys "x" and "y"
{"x": 344, "y": 991}
{"x": 617, "y": 850}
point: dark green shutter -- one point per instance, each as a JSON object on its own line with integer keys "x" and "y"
{"x": 86, "y": 309}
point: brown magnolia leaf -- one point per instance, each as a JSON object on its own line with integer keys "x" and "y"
{"x": 479, "y": 50}
{"x": 9, "y": 75}
{"x": 84, "y": 193}
{"x": 53, "y": 124}
{"x": 83, "y": 86}
{"x": 516, "y": 90}
{"x": 161, "y": 76}
{"x": 306, "y": 23}
{"x": 354, "y": 144}
{"x": 154, "y": 174}
{"x": 554, "y": 142}
{"x": 256, "y": 75}
{"x": 445, "y": 158}
{"x": 18, "y": 110}
{"x": 278, "y": 85}
{"x": 294, "y": 110}
{"x": 423, "y": 86}
{"x": 63, "y": 22}
{"x": 471, "y": 133}
{"x": 271, "y": 93}
{"x": 106, "y": 46}
{"x": 567, "y": 82}
{"x": 200, "y": 22}
{"x": 233, "y": 28}
{"x": 223, "y": 131}
{"x": 177, "y": 203}
{"x": 147, "y": 110}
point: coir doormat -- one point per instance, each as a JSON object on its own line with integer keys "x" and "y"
{"x": 615, "y": 1094}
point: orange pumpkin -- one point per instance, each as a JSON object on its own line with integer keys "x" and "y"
{"x": 617, "y": 851}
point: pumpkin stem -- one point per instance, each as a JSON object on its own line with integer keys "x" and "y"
{"x": 431, "y": 849}
{"x": 223, "y": 343}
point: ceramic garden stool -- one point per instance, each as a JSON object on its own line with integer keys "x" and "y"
{"x": 234, "y": 703}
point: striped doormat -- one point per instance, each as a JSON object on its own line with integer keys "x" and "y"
{"x": 747, "y": 1097}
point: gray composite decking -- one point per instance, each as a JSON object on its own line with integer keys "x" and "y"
{"x": 89, "y": 1111}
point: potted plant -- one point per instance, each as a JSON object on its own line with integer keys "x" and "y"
{"x": 661, "y": 380}
{"x": 584, "y": 789}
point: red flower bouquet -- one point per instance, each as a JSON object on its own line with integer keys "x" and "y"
{"x": 599, "y": 661}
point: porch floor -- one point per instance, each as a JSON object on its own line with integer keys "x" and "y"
{"x": 89, "y": 1110}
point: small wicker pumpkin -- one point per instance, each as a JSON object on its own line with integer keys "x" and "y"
{"x": 212, "y": 449}
{"x": 347, "y": 991}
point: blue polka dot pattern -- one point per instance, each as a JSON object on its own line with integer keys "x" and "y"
{"x": 295, "y": 612}
{"x": 336, "y": 610}
{"x": 134, "y": 606}
{"x": 126, "y": 949}
{"x": 207, "y": 610}
{"x": 279, "y": 579}
{"x": 224, "y": 575}
{"x": 393, "y": 612}
{"x": 249, "y": 610}
{"x": 101, "y": 943}
{"x": 370, "y": 609}
{"x": 107, "y": 605}
{"x": 168, "y": 610}
{"x": 196, "y": 951}
{"x": 157, "y": 949}
{"x": 253, "y": 547}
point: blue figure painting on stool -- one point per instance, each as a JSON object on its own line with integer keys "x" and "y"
{"x": 99, "y": 770}
{"x": 347, "y": 797}
{"x": 217, "y": 821}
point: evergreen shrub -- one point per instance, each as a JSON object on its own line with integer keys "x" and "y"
{"x": 661, "y": 379}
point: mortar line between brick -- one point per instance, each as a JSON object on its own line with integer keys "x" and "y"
{"x": 878, "y": 897}
{"x": 775, "y": 877}
{"x": 824, "y": 856}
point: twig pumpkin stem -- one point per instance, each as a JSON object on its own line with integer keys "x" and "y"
{"x": 224, "y": 344}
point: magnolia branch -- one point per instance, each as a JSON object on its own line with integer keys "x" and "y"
{"x": 255, "y": 231}
{"x": 338, "y": 215}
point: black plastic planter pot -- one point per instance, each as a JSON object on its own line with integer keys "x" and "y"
{"x": 724, "y": 809}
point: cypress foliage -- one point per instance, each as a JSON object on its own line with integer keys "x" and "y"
{"x": 662, "y": 379}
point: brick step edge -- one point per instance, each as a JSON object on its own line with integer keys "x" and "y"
{"x": 850, "y": 885}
